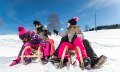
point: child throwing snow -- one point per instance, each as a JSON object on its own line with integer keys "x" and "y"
{"x": 32, "y": 41}
{"x": 74, "y": 43}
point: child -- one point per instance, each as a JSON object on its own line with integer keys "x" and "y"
{"x": 95, "y": 60}
{"x": 74, "y": 43}
{"x": 33, "y": 41}
{"x": 42, "y": 31}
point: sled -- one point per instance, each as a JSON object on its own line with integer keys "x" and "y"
{"x": 34, "y": 54}
{"x": 69, "y": 57}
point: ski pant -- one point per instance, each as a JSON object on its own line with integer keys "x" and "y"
{"x": 63, "y": 39}
{"x": 46, "y": 49}
{"x": 70, "y": 46}
{"x": 52, "y": 48}
{"x": 90, "y": 52}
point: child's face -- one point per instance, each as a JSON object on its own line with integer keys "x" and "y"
{"x": 25, "y": 39}
{"x": 37, "y": 26}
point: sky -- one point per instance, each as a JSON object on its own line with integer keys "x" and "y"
{"x": 14, "y": 13}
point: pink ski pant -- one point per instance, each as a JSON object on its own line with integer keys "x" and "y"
{"x": 70, "y": 46}
{"x": 45, "y": 49}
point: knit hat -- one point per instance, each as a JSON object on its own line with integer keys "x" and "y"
{"x": 22, "y": 32}
{"x": 73, "y": 21}
{"x": 36, "y": 22}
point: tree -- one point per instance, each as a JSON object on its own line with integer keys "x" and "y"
{"x": 86, "y": 27}
{"x": 54, "y": 22}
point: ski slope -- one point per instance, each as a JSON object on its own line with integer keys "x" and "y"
{"x": 105, "y": 42}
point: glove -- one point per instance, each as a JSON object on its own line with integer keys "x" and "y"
{"x": 46, "y": 33}
{"x": 55, "y": 32}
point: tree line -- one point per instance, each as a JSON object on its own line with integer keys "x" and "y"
{"x": 103, "y": 27}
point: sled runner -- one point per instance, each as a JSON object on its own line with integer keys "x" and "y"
{"x": 31, "y": 55}
{"x": 69, "y": 56}
{"x": 81, "y": 64}
{"x": 63, "y": 56}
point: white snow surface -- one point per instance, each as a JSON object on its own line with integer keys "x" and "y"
{"x": 106, "y": 42}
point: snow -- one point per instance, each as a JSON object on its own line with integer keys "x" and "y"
{"x": 106, "y": 42}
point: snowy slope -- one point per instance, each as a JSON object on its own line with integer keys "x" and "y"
{"x": 105, "y": 42}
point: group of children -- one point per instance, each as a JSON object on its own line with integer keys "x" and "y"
{"x": 72, "y": 40}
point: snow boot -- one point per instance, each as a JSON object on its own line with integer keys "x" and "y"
{"x": 62, "y": 63}
{"x": 15, "y": 61}
{"x": 55, "y": 60}
{"x": 99, "y": 61}
{"x": 45, "y": 60}
{"x": 87, "y": 63}
{"x": 27, "y": 60}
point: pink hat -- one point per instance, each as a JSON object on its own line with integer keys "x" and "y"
{"x": 76, "y": 18}
{"x": 22, "y": 30}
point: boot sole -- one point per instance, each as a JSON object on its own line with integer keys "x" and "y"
{"x": 100, "y": 62}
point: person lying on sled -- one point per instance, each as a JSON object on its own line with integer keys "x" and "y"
{"x": 95, "y": 60}
{"x": 33, "y": 41}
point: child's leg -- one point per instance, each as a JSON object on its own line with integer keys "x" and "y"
{"x": 52, "y": 48}
{"x": 80, "y": 47}
{"x": 27, "y": 52}
{"x": 63, "y": 39}
{"x": 89, "y": 50}
{"x": 78, "y": 42}
{"x": 46, "y": 49}
{"x": 62, "y": 47}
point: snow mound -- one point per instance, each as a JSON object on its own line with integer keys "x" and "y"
{"x": 105, "y": 42}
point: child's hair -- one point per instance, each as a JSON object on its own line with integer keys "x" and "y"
{"x": 36, "y": 23}
{"x": 74, "y": 29}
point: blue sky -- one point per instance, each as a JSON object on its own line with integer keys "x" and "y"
{"x": 23, "y": 12}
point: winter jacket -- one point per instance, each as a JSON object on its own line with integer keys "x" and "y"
{"x": 35, "y": 41}
{"x": 43, "y": 32}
